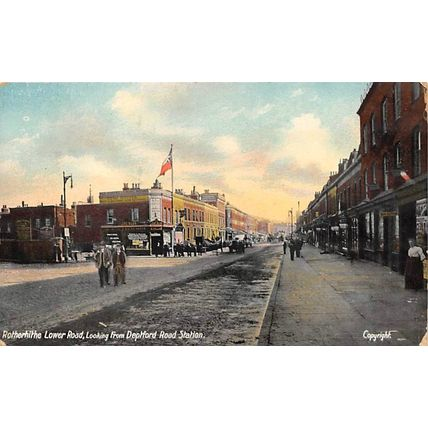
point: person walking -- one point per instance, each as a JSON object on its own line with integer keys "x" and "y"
{"x": 284, "y": 246}
{"x": 103, "y": 263}
{"x": 119, "y": 261}
{"x": 299, "y": 245}
{"x": 292, "y": 248}
{"x": 413, "y": 275}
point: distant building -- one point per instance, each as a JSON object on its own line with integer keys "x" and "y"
{"x": 28, "y": 234}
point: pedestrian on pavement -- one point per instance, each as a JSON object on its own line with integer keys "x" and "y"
{"x": 165, "y": 250}
{"x": 284, "y": 246}
{"x": 292, "y": 248}
{"x": 119, "y": 261}
{"x": 413, "y": 275}
{"x": 299, "y": 245}
{"x": 103, "y": 263}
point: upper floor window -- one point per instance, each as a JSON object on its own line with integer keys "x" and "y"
{"x": 366, "y": 183}
{"x": 397, "y": 155}
{"x": 416, "y": 137}
{"x": 366, "y": 137}
{"x": 164, "y": 215}
{"x": 385, "y": 172}
{"x": 373, "y": 128}
{"x": 374, "y": 181}
{"x": 135, "y": 214}
{"x": 47, "y": 222}
{"x": 397, "y": 100}
{"x": 384, "y": 116}
{"x": 88, "y": 220}
{"x": 37, "y": 223}
{"x": 168, "y": 219}
{"x": 416, "y": 90}
{"x": 110, "y": 216}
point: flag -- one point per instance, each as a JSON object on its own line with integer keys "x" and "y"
{"x": 167, "y": 164}
{"x": 404, "y": 176}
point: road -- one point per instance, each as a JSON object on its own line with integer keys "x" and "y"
{"x": 209, "y": 300}
{"x": 327, "y": 300}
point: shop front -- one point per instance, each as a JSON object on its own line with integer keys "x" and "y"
{"x": 140, "y": 240}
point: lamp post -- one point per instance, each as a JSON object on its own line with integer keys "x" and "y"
{"x": 291, "y": 214}
{"x": 65, "y": 178}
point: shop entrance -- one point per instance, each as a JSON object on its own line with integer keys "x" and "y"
{"x": 157, "y": 243}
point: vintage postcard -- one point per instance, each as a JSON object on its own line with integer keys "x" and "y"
{"x": 213, "y": 214}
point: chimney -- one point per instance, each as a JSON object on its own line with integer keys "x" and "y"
{"x": 125, "y": 186}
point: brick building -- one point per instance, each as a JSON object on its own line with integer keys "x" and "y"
{"x": 29, "y": 233}
{"x": 378, "y": 198}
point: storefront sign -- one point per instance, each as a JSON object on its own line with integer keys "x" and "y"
{"x": 388, "y": 213}
{"x": 137, "y": 236}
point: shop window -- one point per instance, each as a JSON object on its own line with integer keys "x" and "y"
{"x": 385, "y": 172}
{"x": 384, "y": 116}
{"x": 397, "y": 100}
{"x": 373, "y": 129}
{"x": 369, "y": 226}
{"x": 416, "y": 137}
{"x": 416, "y": 90}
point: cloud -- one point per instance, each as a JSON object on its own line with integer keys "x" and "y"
{"x": 307, "y": 143}
{"x": 148, "y": 109}
{"x": 297, "y": 93}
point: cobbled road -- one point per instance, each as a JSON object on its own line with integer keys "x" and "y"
{"x": 210, "y": 301}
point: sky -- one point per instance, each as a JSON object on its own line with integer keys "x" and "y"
{"x": 266, "y": 146}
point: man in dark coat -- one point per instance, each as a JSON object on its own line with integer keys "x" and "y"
{"x": 119, "y": 261}
{"x": 292, "y": 247}
{"x": 284, "y": 246}
{"x": 299, "y": 245}
{"x": 103, "y": 263}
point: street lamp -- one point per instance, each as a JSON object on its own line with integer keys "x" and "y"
{"x": 291, "y": 213}
{"x": 65, "y": 178}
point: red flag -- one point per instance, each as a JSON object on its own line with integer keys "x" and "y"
{"x": 404, "y": 176}
{"x": 167, "y": 164}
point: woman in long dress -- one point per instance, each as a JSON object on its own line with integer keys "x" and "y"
{"x": 414, "y": 268}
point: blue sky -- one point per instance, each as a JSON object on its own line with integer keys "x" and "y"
{"x": 265, "y": 145}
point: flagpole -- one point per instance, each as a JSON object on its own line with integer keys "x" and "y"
{"x": 172, "y": 205}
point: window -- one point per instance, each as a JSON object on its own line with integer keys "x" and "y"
{"x": 385, "y": 172}
{"x": 88, "y": 220}
{"x": 135, "y": 214}
{"x": 47, "y": 222}
{"x": 374, "y": 181}
{"x": 8, "y": 227}
{"x": 366, "y": 137}
{"x": 397, "y": 155}
{"x": 164, "y": 215}
{"x": 373, "y": 128}
{"x": 110, "y": 216}
{"x": 37, "y": 223}
{"x": 168, "y": 220}
{"x": 366, "y": 183}
{"x": 384, "y": 117}
{"x": 416, "y": 91}
{"x": 397, "y": 100}
{"x": 416, "y": 137}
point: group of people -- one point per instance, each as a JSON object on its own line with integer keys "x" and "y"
{"x": 106, "y": 259}
{"x": 294, "y": 246}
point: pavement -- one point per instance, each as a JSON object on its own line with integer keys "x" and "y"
{"x": 329, "y": 300}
